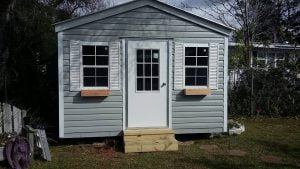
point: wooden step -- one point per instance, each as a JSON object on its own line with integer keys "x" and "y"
{"x": 134, "y": 132}
{"x": 149, "y": 140}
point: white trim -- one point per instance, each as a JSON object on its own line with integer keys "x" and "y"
{"x": 124, "y": 82}
{"x": 225, "y": 83}
{"x": 82, "y": 43}
{"x": 170, "y": 72}
{"x": 183, "y": 61}
{"x": 195, "y": 45}
{"x": 169, "y": 111}
{"x": 61, "y": 84}
{"x": 94, "y": 43}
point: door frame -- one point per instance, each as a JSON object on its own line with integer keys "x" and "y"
{"x": 124, "y": 69}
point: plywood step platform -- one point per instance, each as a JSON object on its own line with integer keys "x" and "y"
{"x": 149, "y": 140}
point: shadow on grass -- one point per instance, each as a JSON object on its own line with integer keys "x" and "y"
{"x": 115, "y": 142}
{"x": 217, "y": 163}
{"x": 191, "y": 137}
{"x": 284, "y": 149}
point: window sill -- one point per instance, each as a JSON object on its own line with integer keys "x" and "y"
{"x": 95, "y": 93}
{"x": 197, "y": 92}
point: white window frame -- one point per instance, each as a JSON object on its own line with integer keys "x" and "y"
{"x": 264, "y": 58}
{"x": 276, "y": 58}
{"x": 82, "y": 66}
{"x": 206, "y": 45}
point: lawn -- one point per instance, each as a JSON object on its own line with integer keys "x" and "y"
{"x": 267, "y": 143}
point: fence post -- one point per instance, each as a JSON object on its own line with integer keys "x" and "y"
{"x": 7, "y": 118}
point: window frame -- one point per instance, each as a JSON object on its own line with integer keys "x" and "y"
{"x": 284, "y": 56}
{"x": 205, "y": 45}
{"x": 94, "y": 66}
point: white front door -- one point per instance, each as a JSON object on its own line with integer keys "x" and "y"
{"x": 147, "y": 84}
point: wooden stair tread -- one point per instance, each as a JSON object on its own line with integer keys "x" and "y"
{"x": 149, "y": 140}
{"x": 148, "y": 132}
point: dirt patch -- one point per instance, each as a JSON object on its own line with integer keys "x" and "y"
{"x": 107, "y": 151}
{"x": 271, "y": 159}
{"x": 210, "y": 148}
{"x": 238, "y": 153}
{"x": 186, "y": 143}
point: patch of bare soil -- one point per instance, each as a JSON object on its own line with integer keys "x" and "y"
{"x": 210, "y": 148}
{"x": 106, "y": 151}
{"x": 239, "y": 153}
{"x": 271, "y": 159}
{"x": 185, "y": 143}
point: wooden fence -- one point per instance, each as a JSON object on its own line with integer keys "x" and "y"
{"x": 11, "y": 118}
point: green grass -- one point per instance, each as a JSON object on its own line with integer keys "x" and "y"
{"x": 278, "y": 137}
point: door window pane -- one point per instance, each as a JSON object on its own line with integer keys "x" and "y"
{"x": 140, "y": 69}
{"x": 147, "y": 56}
{"x": 147, "y": 69}
{"x": 140, "y": 56}
{"x": 155, "y": 56}
{"x": 155, "y": 84}
{"x": 148, "y": 84}
{"x": 140, "y": 84}
{"x": 155, "y": 70}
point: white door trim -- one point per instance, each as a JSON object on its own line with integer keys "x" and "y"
{"x": 125, "y": 42}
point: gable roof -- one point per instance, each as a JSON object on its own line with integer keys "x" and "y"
{"x": 217, "y": 27}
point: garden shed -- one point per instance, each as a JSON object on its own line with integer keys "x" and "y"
{"x": 143, "y": 68}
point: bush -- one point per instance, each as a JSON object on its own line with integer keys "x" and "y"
{"x": 275, "y": 92}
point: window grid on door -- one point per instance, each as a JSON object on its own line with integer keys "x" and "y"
{"x": 147, "y": 70}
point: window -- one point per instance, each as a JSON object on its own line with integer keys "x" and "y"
{"x": 279, "y": 60}
{"x": 147, "y": 70}
{"x": 266, "y": 60}
{"x": 95, "y": 61}
{"x": 261, "y": 60}
{"x": 196, "y": 66}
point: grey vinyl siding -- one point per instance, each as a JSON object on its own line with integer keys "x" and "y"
{"x": 200, "y": 114}
{"x": 103, "y": 117}
{"x": 89, "y": 117}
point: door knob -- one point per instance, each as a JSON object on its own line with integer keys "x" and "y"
{"x": 164, "y": 84}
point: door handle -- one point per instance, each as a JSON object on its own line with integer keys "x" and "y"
{"x": 164, "y": 84}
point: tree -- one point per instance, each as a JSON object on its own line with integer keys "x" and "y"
{"x": 28, "y": 52}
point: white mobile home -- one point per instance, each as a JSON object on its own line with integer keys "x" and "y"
{"x": 142, "y": 65}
